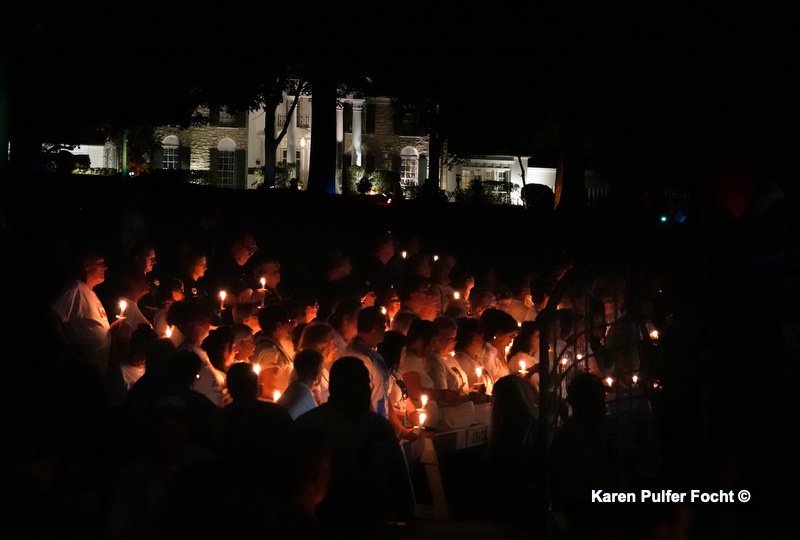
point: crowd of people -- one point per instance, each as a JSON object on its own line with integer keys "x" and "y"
{"x": 290, "y": 407}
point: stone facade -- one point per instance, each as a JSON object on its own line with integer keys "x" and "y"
{"x": 384, "y": 145}
{"x": 201, "y": 139}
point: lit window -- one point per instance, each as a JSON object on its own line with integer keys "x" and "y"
{"x": 171, "y": 158}
{"x": 226, "y": 165}
{"x": 409, "y": 166}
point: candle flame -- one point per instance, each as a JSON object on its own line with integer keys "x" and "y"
{"x": 424, "y": 399}
{"x": 435, "y": 258}
{"x": 383, "y": 310}
{"x": 479, "y": 372}
{"x": 222, "y": 295}
{"x": 168, "y": 332}
{"x": 564, "y": 361}
{"x": 257, "y": 369}
{"x": 522, "y": 366}
{"x": 453, "y": 353}
{"x": 422, "y": 418}
{"x": 276, "y": 395}
{"x": 404, "y": 254}
{"x": 456, "y": 295}
{"x": 122, "y": 305}
{"x": 263, "y": 282}
{"x": 609, "y": 381}
{"x": 579, "y": 357}
{"x": 519, "y": 325}
{"x": 635, "y": 379}
{"x": 654, "y": 334}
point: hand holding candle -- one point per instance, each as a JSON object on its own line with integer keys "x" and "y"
{"x": 263, "y": 284}
{"x": 522, "y": 368}
{"x": 122, "y": 306}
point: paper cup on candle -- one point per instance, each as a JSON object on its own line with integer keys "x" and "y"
{"x": 424, "y": 400}
{"x": 276, "y": 395}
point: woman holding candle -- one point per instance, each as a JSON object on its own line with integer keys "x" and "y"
{"x": 469, "y": 343}
{"x": 525, "y": 348}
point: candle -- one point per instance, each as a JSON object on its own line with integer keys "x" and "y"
{"x": 519, "y": 325}
{"x": 122, "y": 305}
{"x": 383, "y": 310}
{"x": 579, "y": 357}
{"x": 424, "y": 399}
{"x": 168, "y": 332}
{"x": 257, "y": 369}
{"x": 565, "y": 361}
{"x": 404, "y": 254}
{"x": 422, "y": 418}
{"x": 276, "y": 395}
{"x": 222, "y": 295}
{"x": 635, "y": 379}
{"x": 654, "y": 335}
{"x": 522, "y": 366}
{"x": 435, "y": 258}
{"x": 453, "y": 354}
{"x": 609, "y": 381}
{"x": 479, "y": 373}
{"x": 263, "y": 284}
{"x": 456, "y": 295}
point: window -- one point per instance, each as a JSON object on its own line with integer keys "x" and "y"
{"x": 225, "y": 117}
{"x": 409, "y": 166}
{"x": 226, "y": 165}
{"x": 171, "y": 156}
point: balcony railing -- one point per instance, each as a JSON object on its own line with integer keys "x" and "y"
{"x": 303, "y": 120}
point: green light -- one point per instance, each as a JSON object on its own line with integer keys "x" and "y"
{"x": 663, "y": 219}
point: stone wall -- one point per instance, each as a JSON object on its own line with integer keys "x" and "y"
{"x": 201, "y": 139}
{"x": 384, "y": 145}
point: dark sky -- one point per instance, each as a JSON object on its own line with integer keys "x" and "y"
{"x": 652, "y": 83}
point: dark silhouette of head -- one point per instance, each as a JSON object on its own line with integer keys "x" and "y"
{"x": 350, "y": 389}
{"x": 586, "y": 394}
{"x": 242, "y": 381}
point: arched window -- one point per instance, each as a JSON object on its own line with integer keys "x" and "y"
{"x": 171, "y": 157}
{"x": 409, "y": 165}
{"x": 226, "y": 166}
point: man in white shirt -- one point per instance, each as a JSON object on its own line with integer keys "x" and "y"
{"x": 83, "y": 319}
{"x": 371, "y": 329}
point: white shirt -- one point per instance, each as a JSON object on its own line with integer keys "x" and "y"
{"x": 494, "y": 362}
{"x": 134, "y": 316}
{"x": 298, "y": 399}
{"x": 378, "y": 376}
{"x": 412, "y": 362}
{"x": 85, "y": 321}
{"x": 210, "y": 381}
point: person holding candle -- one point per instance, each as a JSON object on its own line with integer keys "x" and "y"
{"x": 344, "y": 321}
{"x": 268, "y": 273}
{"x": 232, "y": 273}
{"x": 402, "y": 413}
{"x": 193, "y": 277}
{"x": 445, "y": 371}
{"x": 469, "y": 343}
{"x": 80, "y": 318}
{"x": 525, "y": 348}
{"x": 499, "y": 330}
{"x": 274, "y": 350}
{"x": 244, "y": 345}
{"x": 194, "y": 323}
{"x": 321, "y": 337}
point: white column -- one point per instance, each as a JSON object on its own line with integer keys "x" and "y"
{"x": 358, "y": 105}
{"x": 339, "y": 146}
{"x": 291, "y": 139}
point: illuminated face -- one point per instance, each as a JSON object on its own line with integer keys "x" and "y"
{"x": 149, "y": 261}
{"x": 200, "y": 266}
{"x": 245, "y": 348}
{"x": 311, "y": 312}
{"x": 96, "y": 270}
{"x": 272, "y": 274}
{"x": 447, "y": 341}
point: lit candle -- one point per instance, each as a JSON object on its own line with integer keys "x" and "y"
{"x": 565, "y": 361}
{"x": 522, "y": 366}
{"x": 263, "y": 284}
{"x": 257, "y": 369}
{"x": 519, "y": 325}
{"x": 404, "y": 254}
{"x": 122, "y": 305}
{"x": 422, "y": 418}
{"x": 424, "y": 399}
{"x": 456, "y": 295}
{"x": 383, "y": 310}
{"x": 168, "y": 332}
{"x": 579, "y": 357}
{"x": 276, "y": 395}
{"x": 654, "y": 335}
{"x": 609, "y": 381}
{"x": 222, "y": 295}
{"x": 479, "y": 373}
{"x": 435, "y": 258}
{"x": 635, "y": 379}
{"x": 453, "y": 354}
